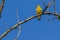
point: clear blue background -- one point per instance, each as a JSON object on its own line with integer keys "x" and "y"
{"x": 34, "y": 29}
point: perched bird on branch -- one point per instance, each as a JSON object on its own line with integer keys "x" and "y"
{"x": 38, "y": 11}
{"x": 1, "y": 7}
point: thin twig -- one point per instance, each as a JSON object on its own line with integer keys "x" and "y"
{"x": 49, "y": 4}
{"x": 19, "y": 29}
{"x": 43, "y": 2}
{"x": 54, "y": 6}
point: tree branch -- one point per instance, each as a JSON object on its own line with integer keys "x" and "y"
{"x": 26, "y": 20}
{"x": 19, "y": 23}
{"x": 1, "y": 6}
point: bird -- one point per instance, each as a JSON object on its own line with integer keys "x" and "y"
{"x": 38, "y": 11}
{"x": 1, "y": 7}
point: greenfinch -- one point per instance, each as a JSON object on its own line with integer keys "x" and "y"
{"x": 38, "y": 11}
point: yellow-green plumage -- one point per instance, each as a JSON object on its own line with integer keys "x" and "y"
{"x": 38, "y": 11}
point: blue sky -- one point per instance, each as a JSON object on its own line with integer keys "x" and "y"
{"x": 34, "y": 29}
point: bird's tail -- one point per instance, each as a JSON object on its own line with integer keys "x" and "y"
{"x": 38, "y": 17}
